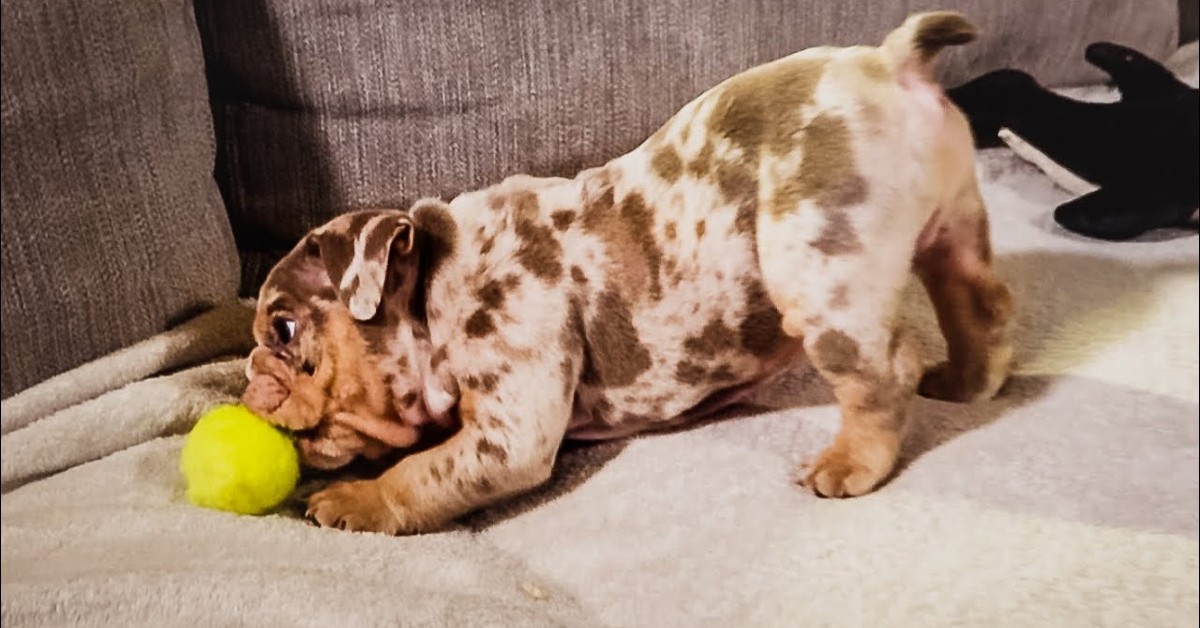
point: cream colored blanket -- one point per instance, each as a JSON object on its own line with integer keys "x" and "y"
{"x": 1071, "y": 500}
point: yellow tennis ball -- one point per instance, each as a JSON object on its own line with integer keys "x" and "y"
{"x": 233, "y": 460}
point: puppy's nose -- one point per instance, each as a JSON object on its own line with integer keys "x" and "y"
{"x": 285, "y": 356}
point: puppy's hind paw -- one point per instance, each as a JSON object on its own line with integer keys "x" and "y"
{"x": 843, "y": 470}
{"x": 946, "y": 383}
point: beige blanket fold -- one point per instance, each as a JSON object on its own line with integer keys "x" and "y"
{"x": 223, "y": 330}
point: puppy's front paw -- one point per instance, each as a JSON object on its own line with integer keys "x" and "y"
{"x": 354, "y": 506}
{"x": 839, "y": 471}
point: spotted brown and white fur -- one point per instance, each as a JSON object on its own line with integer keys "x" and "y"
{"x": 779, "y": 214}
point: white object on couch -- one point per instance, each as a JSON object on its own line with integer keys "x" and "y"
{"x": 1057, "y": 173}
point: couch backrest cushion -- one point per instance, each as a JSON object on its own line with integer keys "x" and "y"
{"x": 113, "y": 226}
{"x": 321, "y": 105}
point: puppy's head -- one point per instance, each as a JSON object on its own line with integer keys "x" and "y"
{"x": 362, "y": 264}
{"x": 338, "y": 312}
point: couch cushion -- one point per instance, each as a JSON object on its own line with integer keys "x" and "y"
{"x": 325, "y": 104}
{"x": 113, "y": 225}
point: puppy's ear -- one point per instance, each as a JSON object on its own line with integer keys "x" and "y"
{"x": 381, "y": 242}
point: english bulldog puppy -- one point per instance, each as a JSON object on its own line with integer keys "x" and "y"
{"x": 777, "y": 215}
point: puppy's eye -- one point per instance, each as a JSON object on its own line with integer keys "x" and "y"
{"x": 285, "y": 329}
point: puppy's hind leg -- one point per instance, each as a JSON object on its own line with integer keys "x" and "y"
{"x": 973, "y": 305}
{"x": 842, "y": 302}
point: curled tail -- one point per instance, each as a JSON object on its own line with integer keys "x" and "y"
{"x": 923, "y": 35}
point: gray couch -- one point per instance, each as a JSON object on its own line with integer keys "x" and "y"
{"x": 122, "y": 121}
